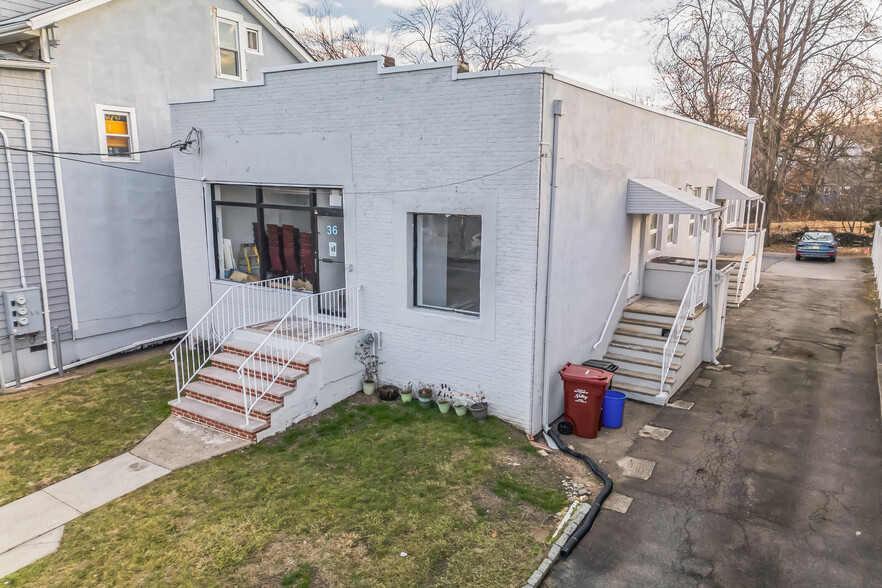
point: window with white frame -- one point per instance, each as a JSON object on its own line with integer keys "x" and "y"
{"x": 228, "y": 39}
{"x": 705, "y": 221}
{"x": 731, "y": 208}
{"x": 692, "y": 225}
{"x": 671, "y": 232}
{"x": 117, "y": 133}
{"x": 654, "y": 244}
{"x": 254, "y": 39}
{"x": 447, "y": 262}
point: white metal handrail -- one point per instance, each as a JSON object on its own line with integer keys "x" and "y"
{"x": 241, "y": 306}
{"x": 696, "y": 293}
{"x": 309, "y": 319}
{"x": 612, "y": 310}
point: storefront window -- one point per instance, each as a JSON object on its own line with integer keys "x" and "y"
{"x": 263, "y": 233}
{"x": 447, "y": 262}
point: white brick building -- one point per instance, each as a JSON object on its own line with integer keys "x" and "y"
{"x": 397, "y": 158}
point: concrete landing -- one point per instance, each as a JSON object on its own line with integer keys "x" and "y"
{"x": 177, "y": 443}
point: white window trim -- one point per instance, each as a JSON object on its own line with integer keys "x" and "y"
{"x": 254, "y": 29}
{"x": 672, "y": 226}
{"x": 100, "y": 110}
{"x": 219, "y": 14}
{"x": 654, "y": 240}
{"x": 693, "y": 222}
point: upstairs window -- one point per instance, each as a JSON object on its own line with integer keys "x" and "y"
{"x": 654, "y": 244}
{"x": 116, "y": 130}
{"x": 672, "y": 228}
{"x": 233, "y": 37}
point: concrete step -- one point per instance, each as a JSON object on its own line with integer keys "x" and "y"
{"x": 643, "y": 351}
{"x": 641, "y": 378}
{"x": 639, "y": 337}
{"x": 245, "y": 348}
{"x": 227, "y": 379}
{"x": 641, "y": 393}
{"x": 649, "y": 308}
{"x": 217, "y": 418}
{"x": 633, "y": 362}
{"x": 652, "y": 326}
{"x": 230, "y": 399}
{"x": 231, "y": 362}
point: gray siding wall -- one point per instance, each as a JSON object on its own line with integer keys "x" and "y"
{"x": 125, "y": 249}
{"x": 23, "y": 92}
{"x": 11, "y": 8}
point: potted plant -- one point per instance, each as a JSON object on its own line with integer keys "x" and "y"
{"x": 461, "y": 406}
{"x": 479, "y": 407}
{"x": 425, "y": 394}
{"x": 388, "y": 392}
{"x": 406, "y": 394}
{"x": 371, "y": 364}
{"x": 443, "y": 399}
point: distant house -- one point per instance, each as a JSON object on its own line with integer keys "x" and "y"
{"x": 478, "y": 230}
{"x": 89, "y": 243}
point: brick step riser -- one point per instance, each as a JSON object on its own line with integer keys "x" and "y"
{"x": 238, "y": 388}
{"x": 201, "y": 420}
{"x": 253, "y": 373}
{"x": 237, "y": 408}
{"x": 270, "y": 358}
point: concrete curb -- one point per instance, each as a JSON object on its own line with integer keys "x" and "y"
{"x": 554, "y": 553}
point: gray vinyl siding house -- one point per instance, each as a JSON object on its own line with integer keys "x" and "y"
{"x": 535, "y": 174}
{"x": 108, "y": 260}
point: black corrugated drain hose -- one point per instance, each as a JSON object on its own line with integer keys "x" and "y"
{"x": 588, "y": 521}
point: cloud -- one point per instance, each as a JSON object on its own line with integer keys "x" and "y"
{"x": 578, "y": 5}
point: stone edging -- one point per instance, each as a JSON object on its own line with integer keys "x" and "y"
{"x": 554, "y": 553}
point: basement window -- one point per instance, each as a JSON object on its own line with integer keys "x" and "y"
{"x": 447, "y": 262}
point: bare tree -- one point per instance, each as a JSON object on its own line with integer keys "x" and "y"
{"x": 329, "y": 37}
{"x": 801, "y": 67}
{"x": 467, "y": 31}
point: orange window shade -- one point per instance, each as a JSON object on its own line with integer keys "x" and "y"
{"x": 118, "y": 142}
{"x": 116, "y": 124}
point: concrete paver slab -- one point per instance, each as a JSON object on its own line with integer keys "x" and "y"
{"x": 618, "y": 502}
{"x": 105, "y": 482}
{"x": 657, "y": 433}
{"x": 32, "y": 516}
{"x": 703, "y": 382}
{"x": 29, "y": 552}
{"x": 634, "y": 467}
{"x": 682, "y": 405}
{"x": 177, "y": 443}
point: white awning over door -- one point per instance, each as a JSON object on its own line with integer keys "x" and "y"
{"x": 731, "y": 190}
{"x": 651, "y": 196}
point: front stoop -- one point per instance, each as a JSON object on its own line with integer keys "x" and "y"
{"x": 216, "y": 399}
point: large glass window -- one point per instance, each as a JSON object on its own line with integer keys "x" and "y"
{"x": 263, "y": 233}
{"x": 447, "y": 262}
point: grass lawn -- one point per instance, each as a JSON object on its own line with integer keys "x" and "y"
{"x": 332, "y": 502}
{"x": 53, "y": 432}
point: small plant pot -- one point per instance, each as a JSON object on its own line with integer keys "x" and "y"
{"x": 368, "y": 388}
{"x": 388, "y": 392}
{"x": 444, "y": 406}
{"x": 479, "y": 411}
{"x": 461, "y": 408}
{"x": 425, "y": 401}
{"x": 406, "y": 397}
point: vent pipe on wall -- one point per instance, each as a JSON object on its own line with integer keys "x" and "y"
{"x": 748, "y": 151}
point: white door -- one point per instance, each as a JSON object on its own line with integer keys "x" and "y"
{"x": 636, "y": 259}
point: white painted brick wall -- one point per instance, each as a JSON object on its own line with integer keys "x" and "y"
{"x": 407, "y": 129}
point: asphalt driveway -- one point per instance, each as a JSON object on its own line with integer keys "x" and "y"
{"x": 774, "y": 477}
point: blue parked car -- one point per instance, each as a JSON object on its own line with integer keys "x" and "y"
{"x": 816, "y": 244}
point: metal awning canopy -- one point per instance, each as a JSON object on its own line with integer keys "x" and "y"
{"x": 650, "y": 196}
{"x": 731, "y": 190}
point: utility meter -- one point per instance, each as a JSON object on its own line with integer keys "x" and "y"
{"x": 23, "y": 311}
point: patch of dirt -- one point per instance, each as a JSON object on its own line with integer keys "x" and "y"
{"x": 325, "y": 556}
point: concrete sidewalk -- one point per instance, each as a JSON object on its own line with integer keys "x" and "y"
{"x": 32, "y": 527}
{"x": 773, "y": 477}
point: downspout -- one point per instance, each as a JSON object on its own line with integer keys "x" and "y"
{"x": 15, "y": 220}
{"x": 38, "y": 232}
{"x": 62, "y": 210}
{"x": 557, "y": 111}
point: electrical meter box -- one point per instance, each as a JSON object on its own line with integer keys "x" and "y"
{"x": 24, "y": 311}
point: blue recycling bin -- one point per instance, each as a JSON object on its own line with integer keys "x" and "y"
{"x": 613, "y": 409}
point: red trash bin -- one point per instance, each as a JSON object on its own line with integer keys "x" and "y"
{"x": 584, "y": 388}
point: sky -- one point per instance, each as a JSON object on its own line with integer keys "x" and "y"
{"x": 604, "y": 43}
